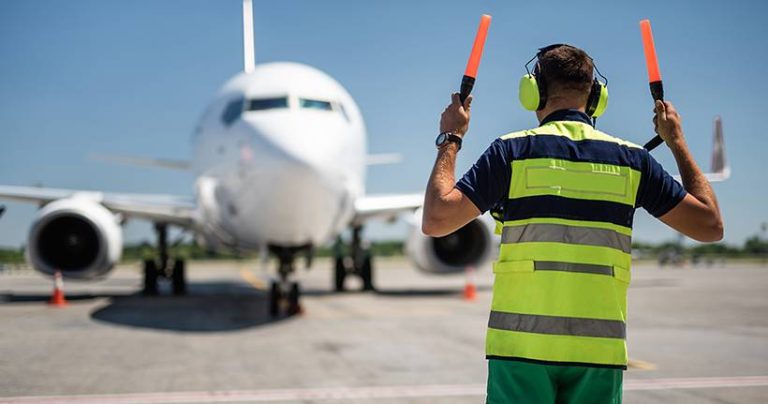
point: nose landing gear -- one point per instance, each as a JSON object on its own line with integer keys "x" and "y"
{"x": 284, "y": 294}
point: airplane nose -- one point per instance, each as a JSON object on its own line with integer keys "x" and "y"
{"x": 316, "y": 143}
{"x": 292, "y": 187}
{"x": 291, "y": 203}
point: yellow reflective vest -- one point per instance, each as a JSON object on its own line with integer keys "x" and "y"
{"x": 561, "y": 278}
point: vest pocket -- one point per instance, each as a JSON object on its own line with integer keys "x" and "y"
{"x": 502, "y": 267}
{"x": 622, "y": 274}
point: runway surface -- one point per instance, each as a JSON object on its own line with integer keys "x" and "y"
{"x": 696, "y": 335}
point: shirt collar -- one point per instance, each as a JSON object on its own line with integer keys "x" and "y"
{"x": 567, "y": 115}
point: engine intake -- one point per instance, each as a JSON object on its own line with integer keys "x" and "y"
{"x": 471, "y": 245}
{"x": 76, "y": 236}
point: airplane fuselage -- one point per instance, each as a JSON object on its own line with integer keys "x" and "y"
{"x": 280, "y": 155}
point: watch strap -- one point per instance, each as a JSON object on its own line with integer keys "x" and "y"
{"x": 450, "y": 137}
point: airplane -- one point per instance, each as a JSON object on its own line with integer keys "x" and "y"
{"x": 280, "y": 162}
{"x": 280, "y": 158}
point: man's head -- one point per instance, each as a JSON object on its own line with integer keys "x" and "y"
{"x": 563, "y": 79}
{"x": 566, "y": 72}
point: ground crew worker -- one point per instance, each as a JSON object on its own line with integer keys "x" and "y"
{"x": 564, "y": 194}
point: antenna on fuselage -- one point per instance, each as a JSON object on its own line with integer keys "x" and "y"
{"x": 249, "y": 55}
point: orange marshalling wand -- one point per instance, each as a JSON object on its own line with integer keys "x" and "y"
{"x": 468, "y": 81}
{"x": 654, "y": 75}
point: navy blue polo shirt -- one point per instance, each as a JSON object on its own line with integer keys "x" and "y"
{"x": 487, "y": 182}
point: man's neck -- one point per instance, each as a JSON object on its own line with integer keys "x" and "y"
{"x": 556, "y": 104}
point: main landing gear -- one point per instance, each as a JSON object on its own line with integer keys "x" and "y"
{"x": 284, "y": 294}
{"x": 358, "y": 262}
{"x": 164, "y": 267}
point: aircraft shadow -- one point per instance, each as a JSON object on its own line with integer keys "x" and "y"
{"x": 9, "y": 297}
{"x": 410, "y": 292}
{"x": 425, "y": 292}
{"x": 209, "y": 307}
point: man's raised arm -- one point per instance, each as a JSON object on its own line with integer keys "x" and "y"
{"x": 446, "y": 209}
{"x": 698, "y": 214}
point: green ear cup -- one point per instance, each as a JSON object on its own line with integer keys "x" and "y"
{"x": 602, "y": 102}
{"x": 528, "y": 92}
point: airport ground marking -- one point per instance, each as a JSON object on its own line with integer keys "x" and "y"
{"x": 252, "y": 279}
{"x": 640, "y": 364}
{"x": 358, "y": 393}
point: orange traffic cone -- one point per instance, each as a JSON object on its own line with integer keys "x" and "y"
{"x": 470, "y": 291}
{"x": 58, "y": 299}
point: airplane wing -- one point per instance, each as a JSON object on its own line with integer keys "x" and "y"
{"x": 159, "y": 208}
{"x": 383, "y": 158}
{"x": 180, "y": 165}
{"x": 385, "y": 207}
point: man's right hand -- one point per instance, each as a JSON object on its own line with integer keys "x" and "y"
{"x": 667, "y": 123}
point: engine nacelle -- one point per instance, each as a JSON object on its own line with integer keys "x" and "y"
{"x": 76, "y": 236}
{"x": 471, "y": 246}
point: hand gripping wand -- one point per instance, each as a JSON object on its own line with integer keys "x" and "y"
{"x": 468, "y": 81}
{"x": 654, "y": 76}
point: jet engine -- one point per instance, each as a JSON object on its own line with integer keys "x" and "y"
{"x": 471, "y": 246}
{"x": 76, "y": 236}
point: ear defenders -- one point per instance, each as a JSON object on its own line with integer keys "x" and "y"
{"x": 532, "y": 91}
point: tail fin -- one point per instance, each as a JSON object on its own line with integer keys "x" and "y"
{"x": 249, "y": 54}
{"x": 720, "y": 170}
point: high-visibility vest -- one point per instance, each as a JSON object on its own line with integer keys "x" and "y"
{"x": 561, "y": 279}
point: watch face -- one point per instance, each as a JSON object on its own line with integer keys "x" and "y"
{"x": 441, "y": 138}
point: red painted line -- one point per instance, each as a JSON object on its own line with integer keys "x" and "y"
{"x": 353, "y": 393}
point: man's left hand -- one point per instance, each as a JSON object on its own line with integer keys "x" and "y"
{"x": 455, "y": 118}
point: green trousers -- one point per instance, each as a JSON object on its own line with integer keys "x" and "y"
{"x": 523, "y": 382}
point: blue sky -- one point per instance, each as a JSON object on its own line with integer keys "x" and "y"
{"x": 107, "y": 76}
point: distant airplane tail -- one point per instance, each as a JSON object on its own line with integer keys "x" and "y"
{"x": 720, "y": 170}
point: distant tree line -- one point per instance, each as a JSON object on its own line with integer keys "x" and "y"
{"x": 754, "y": 246}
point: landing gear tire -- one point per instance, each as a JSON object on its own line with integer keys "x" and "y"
{"x": 366, "y": 273}
{"x": 340, "y": 273}
{"x": 293, "y": 300}
{"x": 150, "y": 278}
{"x": 178, "y": 278}
{"x": 275, "y": 296}
{"x": 278, "y": 299}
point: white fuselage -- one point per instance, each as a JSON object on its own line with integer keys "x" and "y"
{"x": 280, "y": 155}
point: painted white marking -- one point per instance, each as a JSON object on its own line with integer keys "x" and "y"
{"x": 356, "y": 393}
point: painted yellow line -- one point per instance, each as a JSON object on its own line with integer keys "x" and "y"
{"x": 640, "y": 365}
{"x": 252, "y": 279}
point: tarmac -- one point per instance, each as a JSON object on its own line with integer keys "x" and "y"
{"x": 695, "y": 335}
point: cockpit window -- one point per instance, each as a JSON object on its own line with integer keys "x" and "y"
{"x": 261, "y": 104}
{"x": 343, "y": 111}
{"x": 232, "y": 111}
{"x": 315, "y": 104}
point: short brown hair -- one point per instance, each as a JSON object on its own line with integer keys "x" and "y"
{"x": 566, "y": 68}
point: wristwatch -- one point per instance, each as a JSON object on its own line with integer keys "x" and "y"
{"x": 446, "y": 137}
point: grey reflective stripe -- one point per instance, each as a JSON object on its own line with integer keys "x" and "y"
{"x": 572, "y": 267}
{"x": 581, "y": 327}
{"x": 560, "y": 233}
